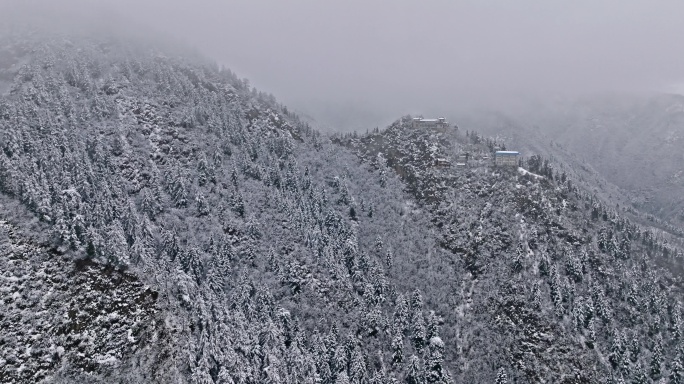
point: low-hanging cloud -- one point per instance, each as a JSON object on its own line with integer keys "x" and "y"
{"x": 360, "y": 63}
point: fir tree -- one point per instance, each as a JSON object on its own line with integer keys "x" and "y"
{"x": 501, "y": 377}
{"x": 397, "y": 347}
{"x": 435, "y": 372}
{"x": 639, "y": 376}
{"x": 677, "y": 370}
{"x": 419, "y": 333}
{"x": 656, "y": 358}
{"x": 414, "y": 374}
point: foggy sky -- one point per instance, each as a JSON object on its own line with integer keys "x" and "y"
{"x": 359, "y": 63}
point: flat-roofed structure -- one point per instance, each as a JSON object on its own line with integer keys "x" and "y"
{"x": 442, "y": 162}
{"x": 506, "y": 158}
{"x": 438, "y": 123}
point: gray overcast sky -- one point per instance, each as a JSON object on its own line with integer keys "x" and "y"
{"x": 360, "y": 62}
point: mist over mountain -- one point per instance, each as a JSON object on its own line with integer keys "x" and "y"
{"x": 440, "y": 57}
{"x": 164, "y": 221}
{"x": 632, "y": 142}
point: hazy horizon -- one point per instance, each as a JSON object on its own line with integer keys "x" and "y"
{"x": 359, "y": 64}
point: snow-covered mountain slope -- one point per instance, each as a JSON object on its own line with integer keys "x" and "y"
{"x": 78, "y": 316}
{"x": 209, "y": 235}
{"x": 269, "y": 248}
{"x": 632, "y": 143}
{"x": 555, "y": 275}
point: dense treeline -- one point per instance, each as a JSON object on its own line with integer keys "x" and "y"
{"x": 572, "y": 290}
{"x": 266, "y": 245}
{"x": 276, "y": 255}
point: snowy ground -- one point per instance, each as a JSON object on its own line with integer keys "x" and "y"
{"x": 524, "y": 171}
{"x": 53, "y": 310}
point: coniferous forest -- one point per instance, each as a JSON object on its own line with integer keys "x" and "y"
{"x": 163, "y": 221}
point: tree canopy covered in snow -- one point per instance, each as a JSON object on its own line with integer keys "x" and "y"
{"x": 163, "y": 221}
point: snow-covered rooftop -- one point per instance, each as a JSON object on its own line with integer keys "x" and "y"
{"x": 439, "y": 119}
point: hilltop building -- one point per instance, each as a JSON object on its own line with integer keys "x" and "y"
{"x": 442, "y": 162}
{"x": 506, "y": 158}
{"x": 462, "y": 159}
{"x": 439, "y": 123}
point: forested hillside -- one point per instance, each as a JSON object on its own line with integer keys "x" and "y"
{"x": 566, "y": 287}
{"x": 632, "y": 142}
{"x": 162, "y": 221}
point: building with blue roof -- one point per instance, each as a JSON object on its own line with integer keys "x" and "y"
{"x": 506, "y": 158}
